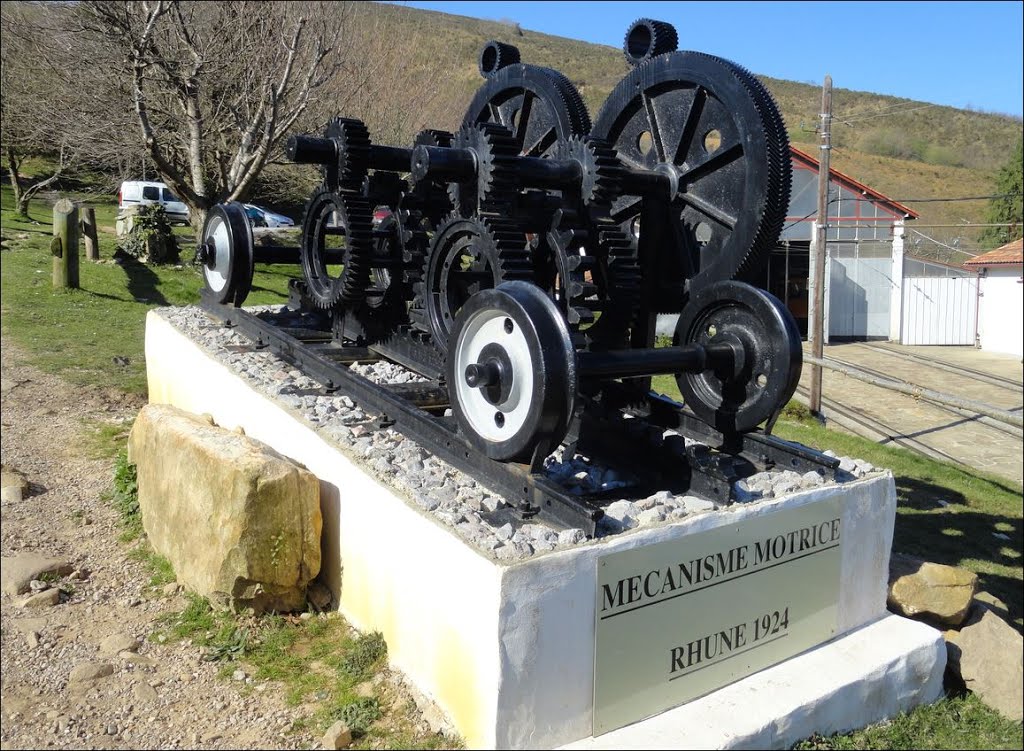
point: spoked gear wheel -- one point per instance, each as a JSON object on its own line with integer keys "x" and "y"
{"x": 495, "y": 184}
{"x": 602, "y": 173}
{"x": 353, "y": 146}
{"x": 594, "y": 278}
{"x": 469, "y": 255}
{"x": 337, "y": 273}
{"x": 709, "y": 126}
{"x": 539, "y": 105}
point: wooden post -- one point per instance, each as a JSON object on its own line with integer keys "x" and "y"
{"x": 819, "y": 248}
{"x": 92, "y": 245}
{"x": 65, "y": 245}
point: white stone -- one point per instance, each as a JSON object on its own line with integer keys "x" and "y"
{"x": 506, "y": 647}
{"x": 693, "y": 504}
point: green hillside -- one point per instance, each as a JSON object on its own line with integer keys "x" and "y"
{"x": 903, "y": 148}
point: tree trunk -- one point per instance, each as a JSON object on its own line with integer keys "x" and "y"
{"x": 19, "y": 197}
{"x": 197, "y": 218}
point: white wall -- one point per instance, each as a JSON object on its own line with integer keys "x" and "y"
{"x": 939, "y": 310}
{"x": 1001, "y": 311}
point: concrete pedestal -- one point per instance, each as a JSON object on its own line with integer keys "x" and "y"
{"x": 508, "y": 650}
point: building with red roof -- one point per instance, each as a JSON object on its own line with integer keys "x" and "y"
{"x": 1001, "y": 298}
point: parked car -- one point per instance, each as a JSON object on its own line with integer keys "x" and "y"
{"x": 256, "y": 218}
{"x": 141, "y": 192}
{"x": 268, "y": 218}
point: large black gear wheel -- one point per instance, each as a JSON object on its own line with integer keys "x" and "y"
{"x": 712, "y": 127}
{"x": 594, "y": 278}
{"x": 353, "y": 146}
{"x": 602, "y": 173}
{"x": 337, "y": 227}
{"x": 470, "y": 254}
{"x": 494, "y": 185}
{"x": 539, "y": 105}
{"x": 647, "y": 38}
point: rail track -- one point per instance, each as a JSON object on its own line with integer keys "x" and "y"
{"x": 879, "y": 431}
{"x": 940, "y": 364}
{"x": 1010, "y": 430}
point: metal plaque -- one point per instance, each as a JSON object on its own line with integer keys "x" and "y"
{"x": 681, "y": 618}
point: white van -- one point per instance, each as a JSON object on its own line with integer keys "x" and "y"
{"x": 135, "y": 192}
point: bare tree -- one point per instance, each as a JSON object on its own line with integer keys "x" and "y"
{"x": 205, "y": 93}
{"x": 212, "y": 87}
{"x": 32, "y": 106}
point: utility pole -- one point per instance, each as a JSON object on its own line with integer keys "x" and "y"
{"x": 819, "y": 248}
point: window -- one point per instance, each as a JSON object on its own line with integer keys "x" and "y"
{"x": 169, "y": 196}
{"x": 151, "y": 193}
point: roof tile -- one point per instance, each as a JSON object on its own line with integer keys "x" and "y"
{"x": 1011, "y": 253}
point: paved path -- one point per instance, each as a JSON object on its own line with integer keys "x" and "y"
{"x": 941, "y": 432}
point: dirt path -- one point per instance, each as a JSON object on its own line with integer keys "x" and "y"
{"x": 161, "y": 696}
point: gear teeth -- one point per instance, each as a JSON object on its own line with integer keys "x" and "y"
{"x": 778, "y": 169}
{"x": 746, "y": 249}
{"x": 431, "y": 137}
{"x": 647, "y": 38}
{"x": 572, "y": 100}
{"x": 598, "y": 272}
{"x": 569, "y": 115}
{"x": 496, "y": 55}
{"x": 353, "y": 154}
{"x": 602, "y": 172}
{"x": 333, "y": 293}
{"x": 495, "y": 185}
{"x": 498, "y": 240}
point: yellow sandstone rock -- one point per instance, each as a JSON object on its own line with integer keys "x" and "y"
{"x": 239, "y": 522}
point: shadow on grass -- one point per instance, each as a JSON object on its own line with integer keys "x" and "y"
{"x": 954, "y": 533}
{"x": 143, "y": 282}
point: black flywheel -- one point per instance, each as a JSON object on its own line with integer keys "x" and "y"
{"x": 714, "y": 131}
{"x": 539, "y": 105}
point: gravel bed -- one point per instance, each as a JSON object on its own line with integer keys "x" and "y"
{"x": 450, "y": 496}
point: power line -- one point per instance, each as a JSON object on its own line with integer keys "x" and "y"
{"x": 939, "y": 242}
{"x": 850, "y": 120}
{"x": 963, "y": 198}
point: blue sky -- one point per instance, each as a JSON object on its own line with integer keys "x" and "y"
{"x": 962, "y": 54}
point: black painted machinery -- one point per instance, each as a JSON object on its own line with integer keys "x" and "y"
{"x": 524, "y": 259}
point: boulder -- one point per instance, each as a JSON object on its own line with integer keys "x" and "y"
{"x": 930, "y": 591}
{"x": 90, "y": 671}
{"x": 337, "y": 736}
{"x": 45, "y": 599}
{"x": 17, "y": 572}
{"x": 988, "y": 600}
{"x": 13, "y": 485}
{"x": 115, "y": 644}
{"x": 986, "y": 654}
{"x": 239, "y": 523}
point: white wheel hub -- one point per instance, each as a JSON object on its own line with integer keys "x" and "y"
{"x": 494, "y": 421}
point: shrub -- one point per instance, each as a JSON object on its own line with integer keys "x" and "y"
{"x": 150, "y": 238}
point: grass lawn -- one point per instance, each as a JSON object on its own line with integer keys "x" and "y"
{"x": 94, "y": 335}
